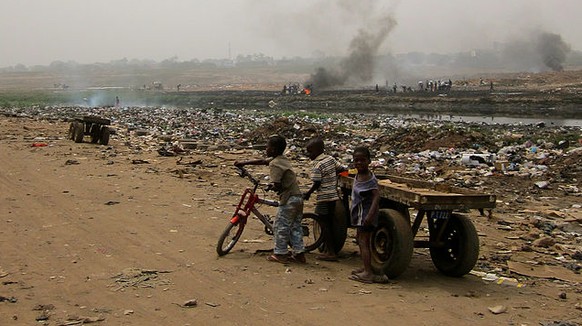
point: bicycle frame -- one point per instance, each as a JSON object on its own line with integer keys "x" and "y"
{"x": 244, "y": 209}
{"x": 247, "y": 202}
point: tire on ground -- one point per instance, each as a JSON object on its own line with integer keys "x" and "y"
{"x": 339, "y": 226}
{"x": 104, "y": 135}
{"x": 460, "y": 250}
{"x": 79, "y": 132}
{"x": 71, "y": 132}
{"x": 95, "y": 133}
{"x": 391, "y": 244}
{"x": 230, "y": 235}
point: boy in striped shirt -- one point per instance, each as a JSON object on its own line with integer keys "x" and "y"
{"x": 324, "y": 176}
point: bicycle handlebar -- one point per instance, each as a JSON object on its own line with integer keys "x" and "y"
{"x": 244, "y": 173}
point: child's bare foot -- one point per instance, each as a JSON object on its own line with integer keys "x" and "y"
{"x": 283, "y": 259}
{"x": 327, "y": 257}
{"x": 358, "y": 271}
{"x": 362, "y": 278}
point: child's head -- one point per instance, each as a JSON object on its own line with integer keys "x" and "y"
{"x": 315, "y": 147}
{"x": 276, "y": 146}
{"x": 362, "y": 158}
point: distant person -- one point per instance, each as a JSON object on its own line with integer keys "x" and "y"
{"x": 178, "y": 87}
{"x": 491, "y": 86}
{"x": 117, "y": 101}
{"x": 377, "y": 88}
{"x": 324, "y": 176}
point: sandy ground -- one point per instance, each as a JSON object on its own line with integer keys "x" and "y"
{"x": 87, "y": 236}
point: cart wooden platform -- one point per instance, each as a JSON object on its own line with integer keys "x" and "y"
{"x": 452, "y": 238}
{"x": 94, "y": 126}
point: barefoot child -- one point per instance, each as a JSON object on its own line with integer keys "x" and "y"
{"x": 287, "y": 225}
{"x": 324, "y": 177}
{"x": 364, "y": 213}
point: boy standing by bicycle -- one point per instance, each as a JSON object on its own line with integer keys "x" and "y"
{"x": 287, "y": 225}
{"x": 324, "y": 176}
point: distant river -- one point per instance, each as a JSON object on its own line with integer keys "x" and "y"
{"x": 496, "y": 120}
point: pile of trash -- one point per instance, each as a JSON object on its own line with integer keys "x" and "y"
{"x": 463, "y": 154}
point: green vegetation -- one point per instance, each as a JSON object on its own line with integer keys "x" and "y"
{"x": 32, "y": 98}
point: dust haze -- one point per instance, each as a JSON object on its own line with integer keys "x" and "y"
{"x": 363, "y": 37}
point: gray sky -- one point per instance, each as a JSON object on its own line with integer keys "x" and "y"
{"x": 41, "y": 31}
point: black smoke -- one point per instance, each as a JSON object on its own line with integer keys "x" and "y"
{"x": 553, "y": 50}
{"x": 360, "y": 64}
{"x": 538, "y": 51}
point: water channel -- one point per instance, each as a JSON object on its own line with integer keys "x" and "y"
{"x": 496, "y": 120}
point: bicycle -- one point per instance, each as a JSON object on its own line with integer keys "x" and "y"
{"x": 311, "y": 224}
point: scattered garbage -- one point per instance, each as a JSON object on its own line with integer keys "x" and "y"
{"x": 501, "y": 280}
{"x": 496, "y": 310}
{"x": 474, "y": 160}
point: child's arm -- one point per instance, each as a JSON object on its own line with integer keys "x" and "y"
{"x": 374, "y": 210}
{"x": 314, "y": 187}
{"x": 260, "y": 161}
{"x": 276, "y": 187}
{"x": 339, "y": 168}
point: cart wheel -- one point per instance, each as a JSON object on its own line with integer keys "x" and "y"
{"x": 79, "y": 132}
{"x": 71, "y": 133}
{"x": 392, "y": 244}
{"x": 460, "y": 250}
{"x": 95, "y": 133}
{"x": 104, "y": 135}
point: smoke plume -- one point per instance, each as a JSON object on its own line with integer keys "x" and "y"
{"x": 553, "y": 50}
{"x": 536, "y": 52}
{"x": 359, "y": 65}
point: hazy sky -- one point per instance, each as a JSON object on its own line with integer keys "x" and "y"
{"x": 41, "y": 31}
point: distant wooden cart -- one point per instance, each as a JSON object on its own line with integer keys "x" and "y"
{"x": 452, "y": 239}
{"x": 93, "y": 126}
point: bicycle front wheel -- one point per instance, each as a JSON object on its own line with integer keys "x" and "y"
{"x": 312, "y": 231}
{"x": 229, "y": 237}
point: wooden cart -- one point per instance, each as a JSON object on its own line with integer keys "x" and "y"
{"x": 94, "y": 126}
{"x": 452, "y": 239}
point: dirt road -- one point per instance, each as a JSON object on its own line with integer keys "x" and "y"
{"x": 88, "y": 234}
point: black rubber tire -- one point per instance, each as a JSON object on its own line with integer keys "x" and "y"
{"x": 222, "y": 248}
{"x": 312, "y": 235}
{"x": 339, "y": 226}
{"x": 391, "y": 244}
{"x": 460, "y": 252}
{"x": 71, "y": 133}
{"x": 104, "y": 135}
{"x": 79, "y": 132}
{"x": 95, "y": 133}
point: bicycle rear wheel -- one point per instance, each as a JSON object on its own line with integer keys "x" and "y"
{"x": 229, "y": 237}
{"x": 312, "y": 227}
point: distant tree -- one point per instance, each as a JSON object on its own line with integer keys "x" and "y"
{"x": 20, "y": 68}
